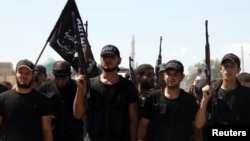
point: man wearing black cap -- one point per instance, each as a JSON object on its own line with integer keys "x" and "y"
{"x": 61, "y": 90}
{"x": 40, "y": 73}
{"x": 24, "y": 112}
{"x": 230, "y": 99}
{"x": 112, "y": 111}
{"x": 171, "y": 113}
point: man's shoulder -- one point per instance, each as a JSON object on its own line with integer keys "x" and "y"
{"x": 123, "y": 80}
{"x": 94, "y": 78}
{"x": 155, "y": 92}
{"x": 244, "y": 90}
{"x": 8, "y": 93}
{"x": 38, "y": 93}
{"x": 46, "y": 83}
{"x": 187, "y": 97}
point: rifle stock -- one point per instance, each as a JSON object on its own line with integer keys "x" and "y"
{"x": 207, "y": 57}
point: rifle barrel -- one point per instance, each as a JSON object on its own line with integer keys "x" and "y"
{"x": 158, "y": 61}
{"x": 207, "y": 56}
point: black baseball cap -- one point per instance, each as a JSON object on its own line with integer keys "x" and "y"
{"x": 162, "y": 67}
{"x": 40, "y": 69}
{"x": 232, "y": 57}
{"x": 174, "y": 64}
{"x": 61, "y": 69}
{"x": 110, "y": 49}
{"x": 25, "y": 63}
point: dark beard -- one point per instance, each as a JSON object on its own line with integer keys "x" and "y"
{"x": 110, "y": 69}
{"x": 23, "y": 85}
{"x": 147, "y": 85}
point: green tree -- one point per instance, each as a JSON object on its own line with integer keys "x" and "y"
{"x": 215, "y": 71}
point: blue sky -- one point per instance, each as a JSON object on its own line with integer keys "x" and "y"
{"x": 25, "y": 26}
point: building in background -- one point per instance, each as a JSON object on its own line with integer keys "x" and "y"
{"x": 7, "y": 72}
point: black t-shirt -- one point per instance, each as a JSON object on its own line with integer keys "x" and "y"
{"x": 230, "y": 107}
{"x": 108, "y": 115}
{"x": 65, "y": 125}
{"x": 170, "y": 119}
{"x": 22, "y": 115}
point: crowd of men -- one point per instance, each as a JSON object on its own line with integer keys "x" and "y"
{"x": 109, "y": 107}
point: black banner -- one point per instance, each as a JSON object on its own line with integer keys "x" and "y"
{"x": 62, "y": 37}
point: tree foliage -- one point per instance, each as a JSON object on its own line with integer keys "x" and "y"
{"x": 215, "y": 71}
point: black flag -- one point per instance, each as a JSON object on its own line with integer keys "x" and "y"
{"x": 62, "y": 38}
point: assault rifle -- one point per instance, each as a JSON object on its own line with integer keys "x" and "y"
{"x": 208, "y": 72}
{"x": 207, "y": 59}
{"x": 79, "y": 52}
{"x": 132, "y": 76}
{"x": 89, "y": 58}
{"x": 158, "y": 62}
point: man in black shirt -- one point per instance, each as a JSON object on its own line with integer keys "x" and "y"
{"x": 231, "y": 100}
{"x": 61, "y": 90}
{"x": 171, "y": 113}
{"x": 24, "y": 112}
{"x": 111, "y": 105}
{"x": 145, "y": 77}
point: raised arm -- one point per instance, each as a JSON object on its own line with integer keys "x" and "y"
{"x": 79, "y": 105}
{"x": 201, "y": 115}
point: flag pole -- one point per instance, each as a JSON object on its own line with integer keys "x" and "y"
{"x": 39, "y": 56}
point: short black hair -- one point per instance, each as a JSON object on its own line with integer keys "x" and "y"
{"x": 140, "y": 70}
{"x": 243, "y": 77}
